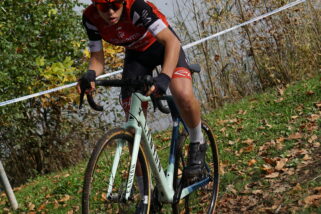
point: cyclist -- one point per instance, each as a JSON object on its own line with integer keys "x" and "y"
{"x": 149, "y": 41}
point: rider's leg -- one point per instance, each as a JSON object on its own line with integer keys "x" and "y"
{"x": 189, "y": 108}
{"x": 187, "y": 103}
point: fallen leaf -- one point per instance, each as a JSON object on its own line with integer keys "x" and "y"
{"x": 316, "y": 145}
{"x": 312, "y": 138}
{"x": 249, "y": 148}
{"x": 297, "y": 187}
{"x": 280, "y": 140}
{"x": 31, "y": 206}
{"x": 280, "y": 164}
{"x": 317, "y": 189}
{"x": 65, "y": 198}
{"x": 314, "y": 117}
{"x": 256, "y": 192}
{"x": 295, "y": 136}
{"x": 273, "y": 175}
{"x": 318, "y": 104}
{"x": 307, "y": 157}
{"x": 248, "y": 141}
{"x": 299, "y": 108}
{"x": 223, "y": 129}
{"x": 265, "y": 122}
{"x": 251, "y": 162}
{"x": 311, "y": 199}
{"x": 279, "y": 100}
{"x": 309, "y": 93}
{"x": 242, "y": 112}
{"x": 269, "y": 161}
{"x": 231, "y": 142}
{"x": 103, "y": 196}
{"x": 56, "y": 204}
{"x": 42, "y": 206}
{"x": 281, "y": 91}
{"x": 294, "y": 117}
{"x": 261, "y": 128}
{"x": 280, "y": 189}
{"x": 230, "y": 188}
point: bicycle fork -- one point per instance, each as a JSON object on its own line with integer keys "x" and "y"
{"x": 134, "y": 154}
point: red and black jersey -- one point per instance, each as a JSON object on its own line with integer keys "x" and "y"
{"x": 140, "y": 22}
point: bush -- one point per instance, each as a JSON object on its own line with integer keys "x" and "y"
{"x": 42, "y": 45}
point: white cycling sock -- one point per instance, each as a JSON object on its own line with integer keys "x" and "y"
{"x": 196, "y": 134}
{"x": 140, "y": 183}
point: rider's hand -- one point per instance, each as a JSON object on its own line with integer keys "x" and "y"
{"x": 87, "y": 82}
{"x": 161, "y": 83}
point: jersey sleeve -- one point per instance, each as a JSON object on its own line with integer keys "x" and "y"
{"x": 144, "y": 14}
{"x": 95, "y": 40}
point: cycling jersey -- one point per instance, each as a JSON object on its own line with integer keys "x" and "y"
{"x": 139, "y": 23}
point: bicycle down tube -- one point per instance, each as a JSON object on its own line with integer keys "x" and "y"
{"x": 138, "y": 121}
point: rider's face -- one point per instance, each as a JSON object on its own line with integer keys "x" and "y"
{"x": 110, "y": 12}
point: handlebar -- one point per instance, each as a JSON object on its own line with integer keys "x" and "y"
{"x": 140, "y": 85}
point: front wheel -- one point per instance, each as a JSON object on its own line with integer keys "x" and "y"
{"x": 203, "y": 199}
{"x": 107, "y": 173}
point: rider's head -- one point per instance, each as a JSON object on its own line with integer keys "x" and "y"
{"x": 109, "y": 10}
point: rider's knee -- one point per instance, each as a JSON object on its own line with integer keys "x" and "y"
{"x": 186, "y": 101}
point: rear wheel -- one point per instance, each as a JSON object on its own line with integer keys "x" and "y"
{"x": 100, "y": 195}
{"x": 202, "y": 200}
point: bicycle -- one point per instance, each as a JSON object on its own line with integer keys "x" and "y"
{"x": 109, "y": 182}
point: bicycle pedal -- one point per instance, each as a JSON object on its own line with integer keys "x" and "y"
{"x": 191, "y": 180}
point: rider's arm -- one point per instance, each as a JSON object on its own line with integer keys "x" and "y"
{"x": 172, "y": 48}
{"x": 96, "y": 62}
{"x": 147, "y": 14}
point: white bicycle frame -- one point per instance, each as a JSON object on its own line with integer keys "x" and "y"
{"x": 137, "y": 121}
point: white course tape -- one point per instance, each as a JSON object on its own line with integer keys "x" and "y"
{"x": 292, "y": 4}
{"x": 52, "y": 90}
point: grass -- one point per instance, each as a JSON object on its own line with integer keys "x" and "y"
{"x": 270, "y": 158}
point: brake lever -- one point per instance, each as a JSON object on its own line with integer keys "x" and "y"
{"x": 154, "y": 102}
{"x": 90, "y": 98}
{"x": 81, "y": 101}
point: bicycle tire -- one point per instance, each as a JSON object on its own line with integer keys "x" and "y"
{"x": 97, "y": 175}
{"x": 204, "y": 199}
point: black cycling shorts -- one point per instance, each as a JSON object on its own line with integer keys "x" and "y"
{"x": 143, "y": 63}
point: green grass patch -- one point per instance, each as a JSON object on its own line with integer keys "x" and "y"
{"x": 254, "y": 136}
